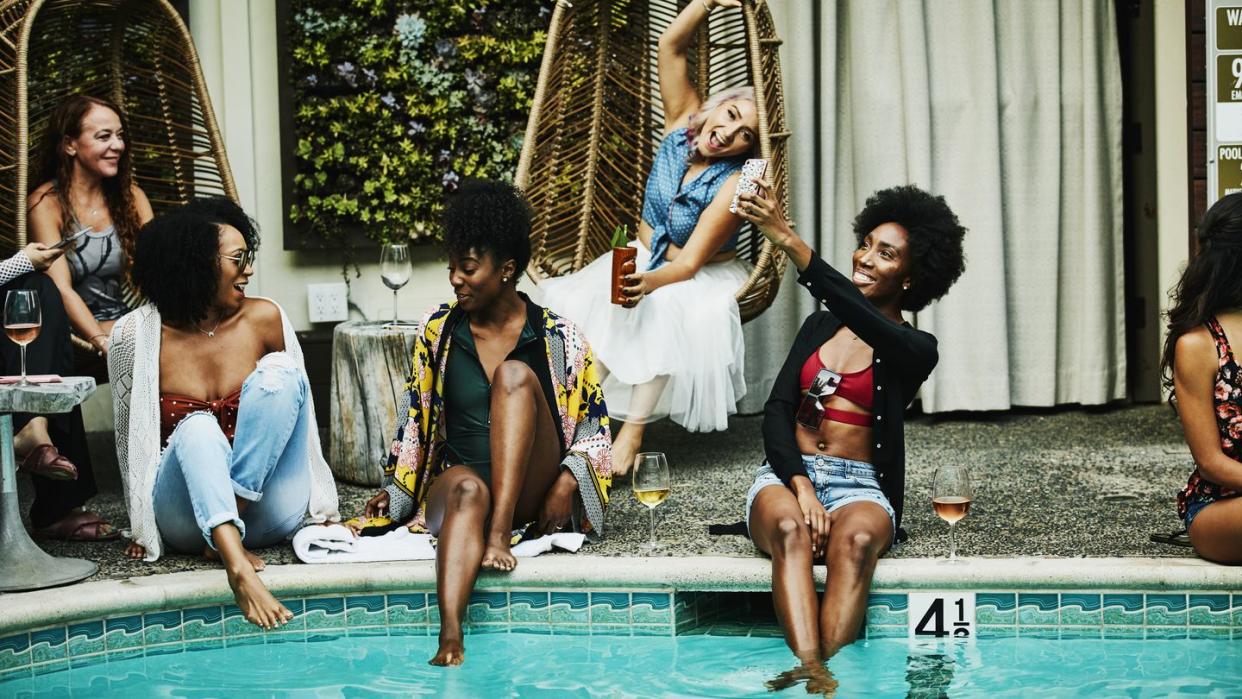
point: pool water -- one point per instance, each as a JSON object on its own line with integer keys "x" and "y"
{"x": 532, "y": 665}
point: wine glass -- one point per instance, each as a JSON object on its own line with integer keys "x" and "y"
{"x": 22, "y": 321}
{"x": 951, "y": 497}
{"x": 395, "y": 269}
{"x": 651, "y": 486}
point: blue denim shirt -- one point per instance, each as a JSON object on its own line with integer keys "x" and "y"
{"x": 671, "y": 210}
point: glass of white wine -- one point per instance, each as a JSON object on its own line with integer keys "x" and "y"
{"x": 395, "y": 270}
{"x": 651, "y": 486}
{"x": 23, "y": 319}
{"x": 951, "y": 498}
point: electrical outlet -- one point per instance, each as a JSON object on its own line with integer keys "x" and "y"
{"x": 327, "y": 303}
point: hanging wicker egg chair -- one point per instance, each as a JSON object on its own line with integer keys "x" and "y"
{"x": 597, "y": 120}
{"x": 136, "y": 53}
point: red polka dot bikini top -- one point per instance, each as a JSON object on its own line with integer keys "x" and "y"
{"x": 174, "y": 408}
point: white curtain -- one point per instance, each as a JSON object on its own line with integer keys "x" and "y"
{"x": 1011, "y": 109}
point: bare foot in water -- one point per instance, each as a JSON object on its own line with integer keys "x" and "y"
{"x": 496, "y": 554}
{"x": 256, "y": 562}
{"x": 450, "y": 653}
{"x": 255, "y": 601}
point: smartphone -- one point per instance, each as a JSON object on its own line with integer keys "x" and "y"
{"x": 65, "y": 241}
{"x": 748, "y": 182}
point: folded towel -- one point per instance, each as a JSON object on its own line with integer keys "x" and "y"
{"x": 569, "y": 541}
{"x": 335, "y": 543}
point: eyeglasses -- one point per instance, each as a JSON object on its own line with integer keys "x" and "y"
{"x": 243, "y": 259}
{"x": 811, "y": 411}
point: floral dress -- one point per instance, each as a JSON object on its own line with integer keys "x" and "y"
{"x": 1227, "y": 399}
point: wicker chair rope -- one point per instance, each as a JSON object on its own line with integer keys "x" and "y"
{"x": 596, "y": 122}
{"x": 136, "y": 53}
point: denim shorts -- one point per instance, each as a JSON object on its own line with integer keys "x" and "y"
{"x": 838, "y": 482}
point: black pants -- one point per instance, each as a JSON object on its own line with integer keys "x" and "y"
{"x": 51, "y": 353}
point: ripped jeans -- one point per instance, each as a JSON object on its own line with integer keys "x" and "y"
{"x": 201, "y": 475}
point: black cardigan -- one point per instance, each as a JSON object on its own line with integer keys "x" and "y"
{"x": 903, "y": 359}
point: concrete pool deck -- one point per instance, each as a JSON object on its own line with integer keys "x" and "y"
{"x": 1048, "y": 483}
{"x": 19, "y": 611}
{"x": 1065, "y": 500}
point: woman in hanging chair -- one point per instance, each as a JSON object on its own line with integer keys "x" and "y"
{"x": 85, "y": 183}
{"x": 675, "y": 348}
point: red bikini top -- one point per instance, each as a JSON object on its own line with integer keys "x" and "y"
{"x": 174, "y": 408}
{"x": 856, "y": 387}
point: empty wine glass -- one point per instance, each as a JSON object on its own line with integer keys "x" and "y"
{"x": 22, "y": 321}
{"x": 395, "y": 270}
{"x": 951, "y": 498}
{"x": 651, "y": 486}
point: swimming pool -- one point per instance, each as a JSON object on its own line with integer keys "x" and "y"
{"x": 631, "y": 627}
{"x": 516, "y": 662}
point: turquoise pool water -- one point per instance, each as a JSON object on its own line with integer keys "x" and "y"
{"x": 516, "y": 664}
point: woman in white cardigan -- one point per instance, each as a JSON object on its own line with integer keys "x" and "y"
{"x": 217, "y": 380}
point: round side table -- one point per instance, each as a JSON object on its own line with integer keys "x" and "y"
{"x": 23, "y": 565}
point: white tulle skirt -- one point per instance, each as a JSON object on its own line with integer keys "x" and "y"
{"x": 679, "y": 353}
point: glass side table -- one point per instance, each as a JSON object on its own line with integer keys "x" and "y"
{"x": 23, "y": 565}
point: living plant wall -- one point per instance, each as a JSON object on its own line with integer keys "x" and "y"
{"x": 390, "y": 104}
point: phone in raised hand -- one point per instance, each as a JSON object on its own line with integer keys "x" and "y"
{"x": 748, "y": 182}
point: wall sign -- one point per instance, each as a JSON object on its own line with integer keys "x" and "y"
{"x": 1224, "y": 68}
{"x": 942, "y": 615}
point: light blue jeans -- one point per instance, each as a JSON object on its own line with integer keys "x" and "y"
{"x": 201, "y": 475}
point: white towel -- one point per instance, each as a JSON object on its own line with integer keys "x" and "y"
{"x": 335, "y": 543}
{"x": 569, "y": 541}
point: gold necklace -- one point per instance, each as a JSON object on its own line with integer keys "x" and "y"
{"x": 212, "y": 332}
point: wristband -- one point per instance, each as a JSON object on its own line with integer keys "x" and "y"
{"x": 706, "y": 7}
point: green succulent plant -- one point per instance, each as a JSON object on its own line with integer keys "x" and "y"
{"x": 397, "y": 101}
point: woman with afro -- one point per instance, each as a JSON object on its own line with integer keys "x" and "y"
{"x": 215, "y": 427}
{"x": 832, "y": 487}
{"x": 506, "y": 428}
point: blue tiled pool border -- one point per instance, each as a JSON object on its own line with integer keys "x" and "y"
{"x": 656, "y": 612}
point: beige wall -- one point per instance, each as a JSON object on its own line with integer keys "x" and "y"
{"x": 1172, "y": 173}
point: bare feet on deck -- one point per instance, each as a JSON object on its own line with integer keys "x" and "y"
{"x": 255, "y": 601}
{"x": 256, "y": 562}
{"x": 451, "y": 652}
{"x": 496, "y": 554}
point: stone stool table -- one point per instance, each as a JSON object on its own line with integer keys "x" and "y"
{"x": 370, "y": 363}
{"x": 23, "y": 565}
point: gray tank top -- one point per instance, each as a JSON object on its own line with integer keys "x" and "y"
{"x": 97, "y": 264}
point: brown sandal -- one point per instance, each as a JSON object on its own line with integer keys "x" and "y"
{"x": 82, "y": 525}
{"x": 44, "y": 460}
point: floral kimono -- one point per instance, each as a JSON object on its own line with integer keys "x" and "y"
{"x": 417, "y": 455}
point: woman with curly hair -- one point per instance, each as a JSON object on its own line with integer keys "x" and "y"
{"x": 833, "y": 427}
{"x": 1201, "y": 369}
{"x": 506, "y": 422}
{"x": 85, "y": 181}
{"x": 675, "y": 348}
{"x": 216, "y": 437}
